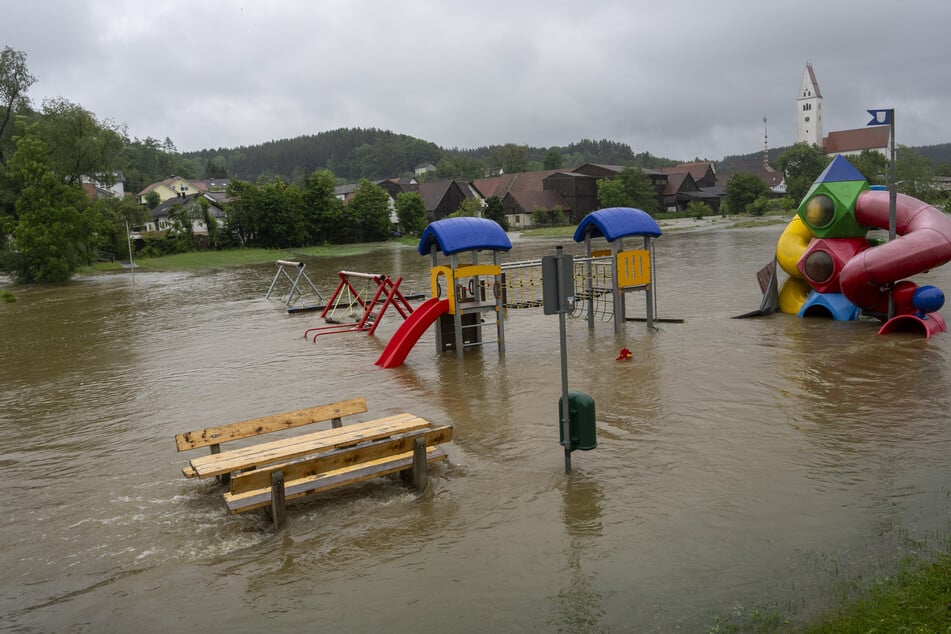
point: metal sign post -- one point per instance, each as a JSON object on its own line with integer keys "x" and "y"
{"x": 558, "y": 288}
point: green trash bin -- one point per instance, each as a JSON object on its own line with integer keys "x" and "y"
{"x": 582, "y": 427}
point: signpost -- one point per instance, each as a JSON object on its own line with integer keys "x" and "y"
{"x": 558, "y": 290}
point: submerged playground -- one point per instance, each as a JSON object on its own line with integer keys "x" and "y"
{"x": 833, "y": 263}
{"x": 810, "y": 451}
{"x": 834, "y": 270}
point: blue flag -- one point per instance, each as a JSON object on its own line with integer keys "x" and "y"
{"x": 880, "y": 117}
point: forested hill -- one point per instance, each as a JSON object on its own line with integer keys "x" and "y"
{"x": 354, "y": 153}
{"x": 350, "y": 153}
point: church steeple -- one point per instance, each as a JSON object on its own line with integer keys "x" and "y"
{"x": 809, "y": 109}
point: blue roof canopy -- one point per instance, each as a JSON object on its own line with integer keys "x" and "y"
{"x": 452, "y": 235}
{"x": 617, "y": 222}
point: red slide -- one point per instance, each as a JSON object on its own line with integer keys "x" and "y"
{"x": 411, "y": 330}
{"x": 924, "y": 243}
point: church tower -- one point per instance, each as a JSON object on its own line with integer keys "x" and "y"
{"x": 809, "y": 109}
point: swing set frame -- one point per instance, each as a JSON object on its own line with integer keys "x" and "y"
{"x": 387, "y": 294}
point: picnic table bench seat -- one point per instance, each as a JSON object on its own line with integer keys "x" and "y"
{"x": 269, "y": 473}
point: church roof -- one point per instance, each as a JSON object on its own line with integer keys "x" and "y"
{"x": 868, "y": 138}
{"x": 810, "y": 76}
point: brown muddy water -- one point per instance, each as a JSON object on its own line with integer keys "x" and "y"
{"x": 743, "y": 467}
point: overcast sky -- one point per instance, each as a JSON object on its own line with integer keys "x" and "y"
{"x": 677, "y": 79}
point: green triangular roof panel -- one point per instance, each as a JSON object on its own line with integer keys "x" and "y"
{"x": 839, "y": 170}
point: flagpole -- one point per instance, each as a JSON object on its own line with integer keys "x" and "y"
{"x": 892, "y": 197}
{"x": 883, "y": 117}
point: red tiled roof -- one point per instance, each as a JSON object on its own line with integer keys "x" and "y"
{"x": 697, "y": 170}
{"x": 675, "y": 181}
{"x": 521, "y": 181}
{"x": 868, "y": 138}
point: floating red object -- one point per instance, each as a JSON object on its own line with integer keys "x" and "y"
{"x": 623, "y": 355}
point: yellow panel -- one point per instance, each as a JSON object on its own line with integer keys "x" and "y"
{"x": 633, "y": 268}
{"x": 791, "y": 245}
{"x": 793, "y": 295}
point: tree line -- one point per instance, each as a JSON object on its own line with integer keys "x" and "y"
{"x": 355, "y": 153}
{"x": 802, "y": 163}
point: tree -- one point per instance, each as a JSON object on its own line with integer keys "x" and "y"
{"x": 15, "y": 80}
{"x": 322, "y": 209}
{"x": 495, "y": 211}
{"x": 552, "y": 160}
{"x": 611, "y": 193}
{"x": 281, "y": 222}
{"x": 699, "y": 209}
{"x": 112, "y": 217}
{"x": 368, "y": 211}
{"x": 50, "y": 228}
{"x": 742, "y": 190}
{"x": 915, "y": 176}
{"x": 631, "y": 188}
{"x": 801, "y": 164}
{"x": 470, "y": 207}
{"x": 462, "y": 167}
{"x": 640, "y": 189}
{"x": 540, "y": 217}
{"x": 152, "y": 199}
{"x": 182, "y": 230}
{"x": 510, "y": 158}
{"x": 411, "y": 211}
{"x": 873, "y": 165}
{"x": 77, "y": 143}
{"x": 211, "y": 224}
{"x": 240, "y": 212}
{"x": 269, "y": 214}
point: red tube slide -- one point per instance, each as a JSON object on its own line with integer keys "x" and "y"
{"x": 924, "y": 243}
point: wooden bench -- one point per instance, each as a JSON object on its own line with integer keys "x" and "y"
{"x": 269, "y": 473}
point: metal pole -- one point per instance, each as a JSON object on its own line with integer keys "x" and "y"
{"x": 589, "y": 280}
{"x": 892, "y": 199}
{"x": 565, "y": 411}
{"x": 128, "y": 238}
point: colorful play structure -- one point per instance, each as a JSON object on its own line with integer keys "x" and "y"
{"x": 468, "y": 296}
{"x": 835, "y": 270}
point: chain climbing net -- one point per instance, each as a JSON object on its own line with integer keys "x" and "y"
{"x": 593, "y": 279}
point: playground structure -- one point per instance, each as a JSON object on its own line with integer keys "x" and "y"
{"x": 836, "y": 270}
{"x": 473, "y": 290}
{"x": 295, "y": 297}
{"x": 629, "y": 271}
{"x": 340, "y": 312}
{"x": 476, "y": 293}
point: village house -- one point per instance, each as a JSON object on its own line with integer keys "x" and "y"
{"x": 102, "y": 186}
{"x": 163, "y": 215}
{"x": 176, "y": 186}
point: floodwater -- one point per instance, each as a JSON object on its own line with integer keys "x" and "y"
{"x": 743, "y": 467}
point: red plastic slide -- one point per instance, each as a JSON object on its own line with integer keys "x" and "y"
{"x": 924, "y": 243}
{"x": 411, "y": 330}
